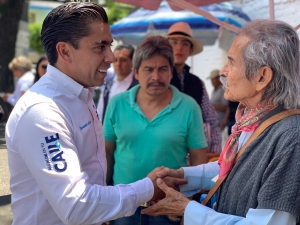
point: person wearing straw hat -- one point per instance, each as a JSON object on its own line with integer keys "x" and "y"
{"x": 184, "y": 45}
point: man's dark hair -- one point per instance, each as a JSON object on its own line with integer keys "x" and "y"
{"x": 128, "y": 47}
{"x": 69, "y": 22}
{"x": 151, "y": 46}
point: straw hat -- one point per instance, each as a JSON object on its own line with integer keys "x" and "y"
{"x": 214, "y": 74}
{"x": 182, "y": 29}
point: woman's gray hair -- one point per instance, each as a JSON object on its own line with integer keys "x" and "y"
{"x": 274, "y": 44}
{"x": 151, "y": 46}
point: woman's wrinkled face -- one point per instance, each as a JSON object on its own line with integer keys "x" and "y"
{"x": 237, "y": 87}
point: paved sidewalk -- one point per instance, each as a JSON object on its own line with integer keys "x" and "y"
{"x": 4, "y": 174}
{"x": 6, "y": 217}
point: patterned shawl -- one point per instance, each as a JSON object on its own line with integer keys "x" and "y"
{"x": 245, "y": 122}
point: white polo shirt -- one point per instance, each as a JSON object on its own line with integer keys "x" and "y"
{"x": 57, "y": 158}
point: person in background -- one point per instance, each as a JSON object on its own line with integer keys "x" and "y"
{"x": 231, "y": 115}
{"x": 145, "y": 132}
{"x": 122, "y": 80}
{"x": 41, "y": 68}
{"x": 54, "y": 137}
{"x": 262, "y": 187}
{"x": 21, "y": 67}
{"x": 184, "y": 45}
{"x": 218, "y": 101}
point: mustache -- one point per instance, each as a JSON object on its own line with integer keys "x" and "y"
{"x": 223, "y": 80}
{"x": 156, "y": 83}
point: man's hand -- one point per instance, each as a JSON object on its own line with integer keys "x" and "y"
{"x": 171, "y": 173}
{"x": 171, "y": 178}
{"x": 173, "y": 204}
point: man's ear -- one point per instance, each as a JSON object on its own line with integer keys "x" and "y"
{"x": 136, "y": 74}
{"x": 64, "y": 51}
{"x": 264, "y": 77}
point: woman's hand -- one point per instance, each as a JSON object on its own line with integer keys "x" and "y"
{"x": 173, "y": 204}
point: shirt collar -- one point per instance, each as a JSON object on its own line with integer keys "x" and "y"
{"x": 69, "y": 84}
{"x": 176, "y": 96}
{"x": 128, "y": 79}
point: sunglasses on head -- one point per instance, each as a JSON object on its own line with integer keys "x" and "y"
{"x": 44, "y": 67}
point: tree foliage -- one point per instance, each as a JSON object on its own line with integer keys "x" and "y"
{"x": 116, "y": 11}
{"x": 35, "y": 37}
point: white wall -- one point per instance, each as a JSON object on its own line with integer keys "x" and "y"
{"x": 285, "y": 10}
{"x": 213, "y": 57}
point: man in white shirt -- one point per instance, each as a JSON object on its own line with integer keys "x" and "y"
{"x": 54, "y": 136}
{"x": 123, "y": 79}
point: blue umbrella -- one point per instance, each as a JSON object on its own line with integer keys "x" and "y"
{"x": 143, "y": 23}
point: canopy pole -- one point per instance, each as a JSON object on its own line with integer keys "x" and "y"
{"x": 271, "y": 9}
{"x": 297, "y": 27}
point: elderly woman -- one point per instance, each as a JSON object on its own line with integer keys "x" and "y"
{"x": 21, "y": 67}
{"x": 263, "y": 185}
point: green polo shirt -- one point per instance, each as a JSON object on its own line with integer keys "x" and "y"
{"x": 142, "y": 145}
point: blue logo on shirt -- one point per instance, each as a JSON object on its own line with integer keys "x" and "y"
{"x": 85, "y": 125}
{"x": 54, "y": 156}
{"x": 57, "y": 144}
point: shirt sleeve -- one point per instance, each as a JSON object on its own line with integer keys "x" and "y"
{"x": 11, "y": 100}
{"x": 72, "y": 197}
{"x": 25, "y": 87}
{"x": 199, "y": 177}
{"x": 196, "y": 213}
{"x": 210, "y": 116}
{"x": 21, "y": 84}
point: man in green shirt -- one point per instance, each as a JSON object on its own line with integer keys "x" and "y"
{"x": 155, "y": 124}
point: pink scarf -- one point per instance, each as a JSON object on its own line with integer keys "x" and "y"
{"x": 247, "y": 122}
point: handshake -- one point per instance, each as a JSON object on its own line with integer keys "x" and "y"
{"x": 166, "y": 199}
